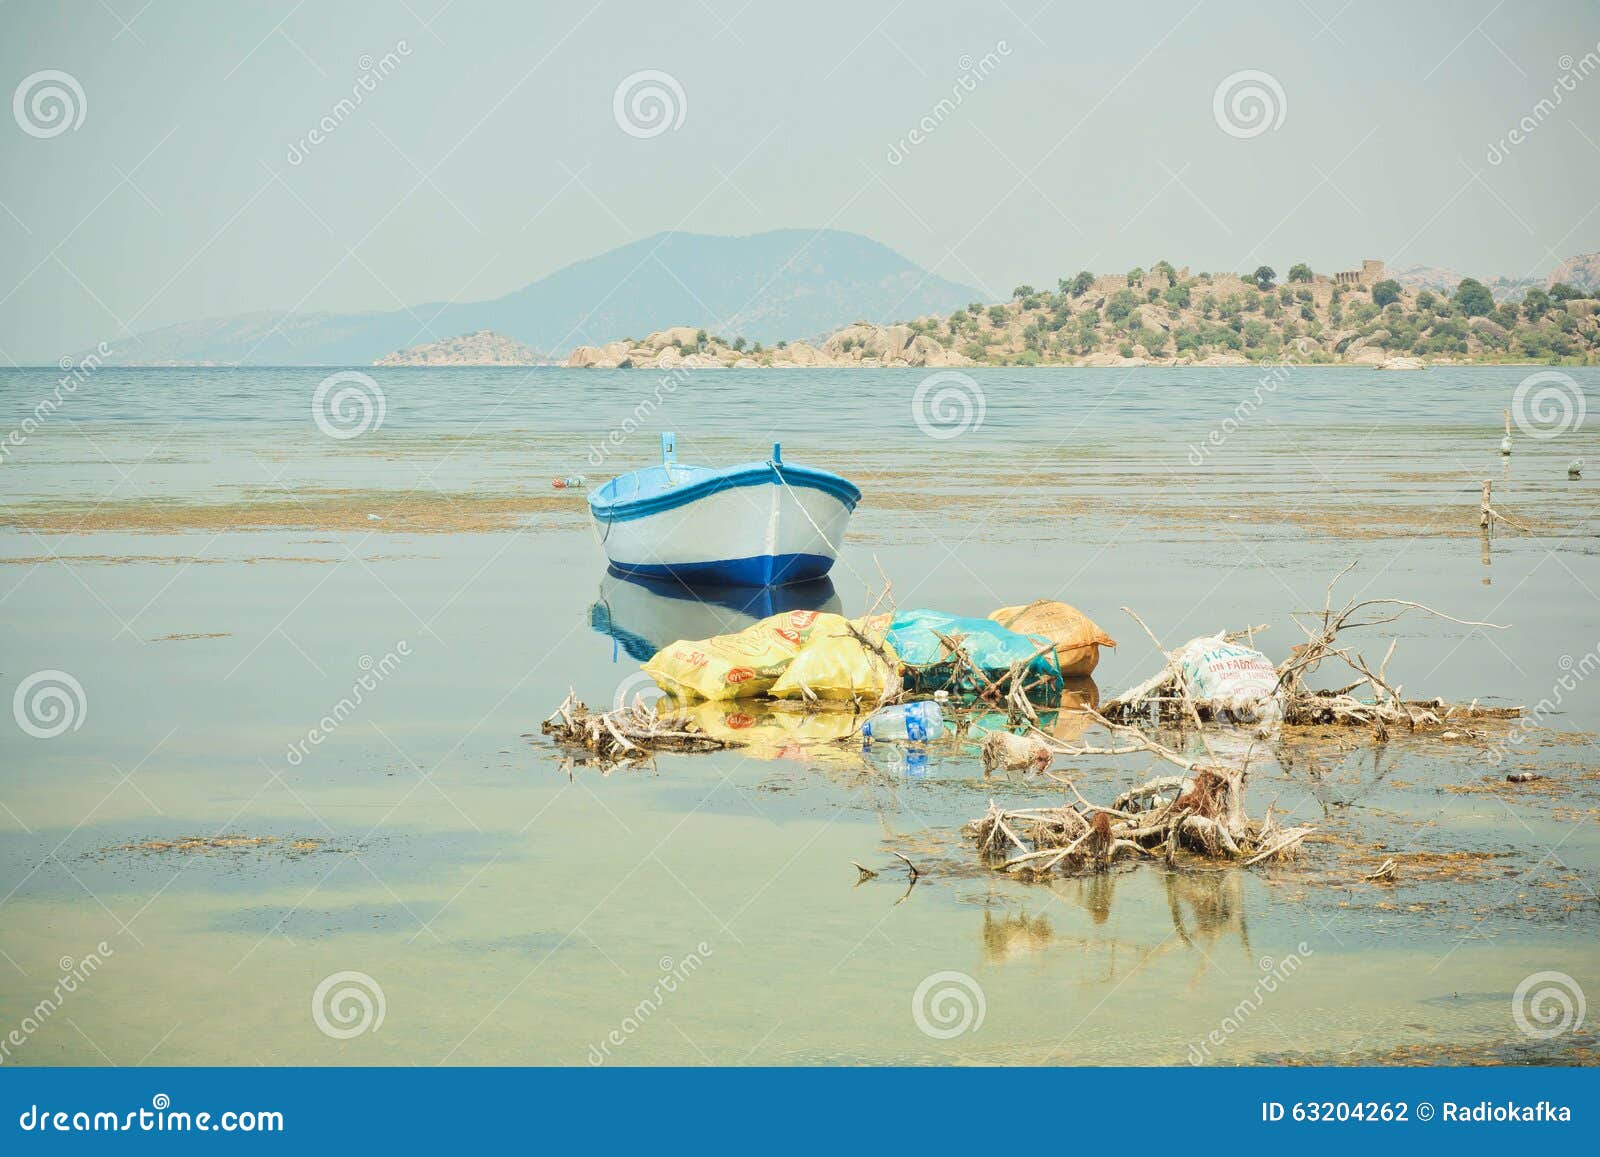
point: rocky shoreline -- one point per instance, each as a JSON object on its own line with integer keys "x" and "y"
{"x": 1165, "y": 317}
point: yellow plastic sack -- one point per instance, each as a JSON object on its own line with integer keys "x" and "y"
{"x": 1077, "y": 638}
{"x": 838, "y": 667}
{"x": 740, "y": 665}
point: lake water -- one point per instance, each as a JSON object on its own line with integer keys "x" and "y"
{"x": 512, "y": 909}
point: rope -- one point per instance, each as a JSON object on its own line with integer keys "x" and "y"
{"x": 778, "y": 470}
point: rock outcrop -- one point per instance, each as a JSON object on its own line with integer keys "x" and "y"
{"x": 484, "y": 348}
{"x": 860, "y": 344}
{"x": 1165, "y": 317}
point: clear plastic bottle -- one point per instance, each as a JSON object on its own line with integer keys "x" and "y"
{"x": 570, "y": 482}
{"x": 917, "y": 722}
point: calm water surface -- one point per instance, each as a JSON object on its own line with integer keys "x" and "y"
{"x": 513, "y": 910}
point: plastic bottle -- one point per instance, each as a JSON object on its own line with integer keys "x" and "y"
{"x": 570, "y": 482}
{"x": 917, "y": 722}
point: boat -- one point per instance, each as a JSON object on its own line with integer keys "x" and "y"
{"x": 643, "y": 615}
{"x": 758, "y": 524}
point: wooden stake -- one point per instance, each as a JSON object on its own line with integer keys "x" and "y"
{"x": 1486, "y": 511}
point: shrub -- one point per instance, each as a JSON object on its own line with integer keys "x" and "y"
{"x": 1472, "y": 297}
{"x": 1386, "y": 291}
{"x": 1121, "y": 304}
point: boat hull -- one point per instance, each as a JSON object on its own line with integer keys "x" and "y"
{"x": 765, "y": 532}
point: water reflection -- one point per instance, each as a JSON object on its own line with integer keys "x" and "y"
{"x": 642, "y": 615}
{"x": 1207, "y": 912}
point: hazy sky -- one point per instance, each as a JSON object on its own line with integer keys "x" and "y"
{"x": 491, "y": 154}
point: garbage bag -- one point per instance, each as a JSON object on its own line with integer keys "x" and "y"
{"x": 992, "y": 648}
{"x": 839, "y": 667}
{"x": 1077, "y": 637}
{"x": 1233, "y": 678}
{"x": 741, "y": 665}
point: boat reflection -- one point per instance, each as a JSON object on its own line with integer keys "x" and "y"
{"x": 643, "y": 615}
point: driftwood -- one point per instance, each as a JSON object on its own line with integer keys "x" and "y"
{"x": 633, "y": 731}
{"x": 1163, "y": 698}
{"x": 1036, "y": 842}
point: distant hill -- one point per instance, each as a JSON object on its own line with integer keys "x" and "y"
{"x": 483, "y": 348}
{"x": 765, "y": 287}
{"x": 1581, "y": 272}
{"x": 1443, "y": 280}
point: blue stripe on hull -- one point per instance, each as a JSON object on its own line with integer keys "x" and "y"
{"x": 763, "y": 570}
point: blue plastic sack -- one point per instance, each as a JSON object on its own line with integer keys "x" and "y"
{"x": 991, "y": 648}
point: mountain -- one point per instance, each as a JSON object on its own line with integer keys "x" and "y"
{"x": 1443, "y": 280}
{"x": 765, "y": 287}
{"x": 1580, "y": 272}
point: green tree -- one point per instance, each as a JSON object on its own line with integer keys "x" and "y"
{"x": 1264, "y": 277}
{"x": 1081, "y": 283}
{"x": 1022, "y": 291}
{"x": 1136, "y": 276}
{"x": 1300, "y": 271}
{"x": 1166, "y": 270}
{"x": 1472, "y": 297}
{"x": 998, "y": 315}
{"x": 738, "y": 344}
{"x": 1561, "y": 291}
{"x": 1386, "y": 291}
{"x": 1122, "y": 303}
{"x": 700, "y": 339}
{"x": 1535, "y": 304}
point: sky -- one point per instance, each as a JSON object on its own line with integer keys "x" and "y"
{"x": 996, "y": 143}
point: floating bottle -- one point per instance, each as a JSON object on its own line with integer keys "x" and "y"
{"x": 917, "y": 722}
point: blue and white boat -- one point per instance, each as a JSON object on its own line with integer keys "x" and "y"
{"x": 760, "y": 524}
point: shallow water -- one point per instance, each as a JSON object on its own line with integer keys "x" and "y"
{"x": 513, "y": 910}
